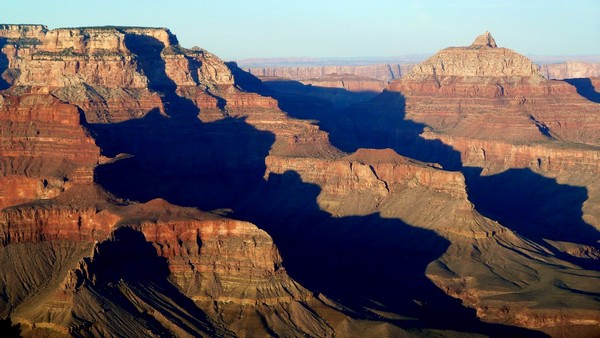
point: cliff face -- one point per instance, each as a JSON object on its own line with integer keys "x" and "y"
{"x": 128, "y": 110}
{"x": 44, "y": 148}
{"x": 353, "y": 83}
{"x": 359, "y": 183}
{"x": 515, "y": 142}
{"x": 382, "y": 72}
{"x": 570, "y": 70}
{"x": 118, "y": 104}
{"x": 211, "y": 259}
{"x": 91, "y": 264}
{"x": 64, "y": 78}
{"x": 478, "y": 81}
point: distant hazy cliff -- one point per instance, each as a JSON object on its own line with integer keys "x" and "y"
{"x": 570, "y": 70}
{"x": 384, "y": 72}
{"x": 388, "y": 72}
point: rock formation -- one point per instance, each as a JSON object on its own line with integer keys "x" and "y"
{"x": 476, "y": 78}
{"x": 524, "y": 145}
{"x": 84, "y": 99}
{"x": 114, "y": 138}
{"x": 378, "y": 75}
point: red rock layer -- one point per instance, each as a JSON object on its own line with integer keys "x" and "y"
{"x": 366, "y": 181}
{"x": 94, "y": 69}
{"x": 475, "y": 91}
{"x": 213, "y": 260}
{"x": 43, "y": 147}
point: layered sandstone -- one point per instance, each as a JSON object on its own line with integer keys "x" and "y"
{"x": 139, "y": 97}
{"x": 360, "y": 183}
{"x": 374, "y": 228}
{"x": 478, "y": 81}
{"x": 38, "y": 136}
{"x": 115, "y": 74}
{"x": 104, "y": 255}
{"x": 380, "y": 182}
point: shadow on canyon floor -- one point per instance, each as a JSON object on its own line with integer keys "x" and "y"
{"x": 534, "y": 206}
{"x": 8, "y": 330}
{"x": 585, "y": 88}
{"x": 363, "y": 122}
{"x": 362, "y": 260}
{"x": 532, "y": 200}
{"x": 171, "y": 156}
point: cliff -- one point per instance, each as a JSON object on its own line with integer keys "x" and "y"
{"x": 474, "y": 79}
{"x": 82, "y": 105}
{"x": 382, "y": 72}
{"x": 104, "y": 125}
{"x": 122, "y": 254}
{"x": 570, "y": 70}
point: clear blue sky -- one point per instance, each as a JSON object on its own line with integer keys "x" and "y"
{"x": 235, "y": 29}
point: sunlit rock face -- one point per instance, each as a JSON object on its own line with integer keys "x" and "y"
{"x": 114, "y": 138}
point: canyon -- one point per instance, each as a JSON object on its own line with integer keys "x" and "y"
{"x": 148, "y": 189}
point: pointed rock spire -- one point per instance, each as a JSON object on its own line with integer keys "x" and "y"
{"x": 484, "y": 40}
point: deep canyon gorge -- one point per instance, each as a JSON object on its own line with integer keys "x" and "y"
{"x": 147, "y": 189}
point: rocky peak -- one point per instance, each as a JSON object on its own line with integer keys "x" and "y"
{"x": 484, "y": 40}
{"x": 483, "y": 59}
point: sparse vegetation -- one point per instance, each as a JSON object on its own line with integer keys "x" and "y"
{"x": 179, "y": 50}
{"x": 26, "y": 42}
{"x": 106, "y": 52}
{"x": 62, "y": 53}
{"x": 122, "y": 29}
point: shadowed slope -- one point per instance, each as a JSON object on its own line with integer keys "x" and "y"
{"x": 372, "y": 264}
{"x": 585, "y": 88}
{"x": 536, "y": 207}
{"x": 177, "y": 157}
{"x": 378, "y": 122}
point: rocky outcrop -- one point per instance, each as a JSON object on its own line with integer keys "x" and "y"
{"x": 497, "y": 156}
{"x": 108, "y": 255}
{"x": 359, "y": 183}
{"x": 44, "y": 149}
{"x": 482, "y": 59}
{"x": 478, "y": 81}
{"x": 484, "y": 40}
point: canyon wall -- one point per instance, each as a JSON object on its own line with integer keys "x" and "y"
{"x": 103, "y": 126}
